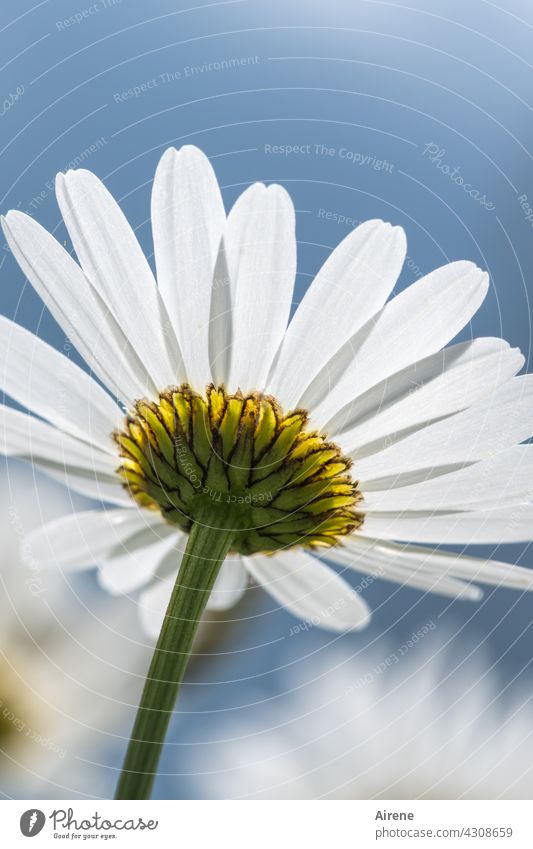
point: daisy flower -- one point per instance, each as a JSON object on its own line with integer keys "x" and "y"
{"x": 214, "y": 423}
{"x": 340, "y": 432}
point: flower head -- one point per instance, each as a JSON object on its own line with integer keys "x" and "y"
{"x": 275, "y": 483}
{"x": 346, "y": 432}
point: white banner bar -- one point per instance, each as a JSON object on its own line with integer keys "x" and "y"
{"x": 269, "y": 824}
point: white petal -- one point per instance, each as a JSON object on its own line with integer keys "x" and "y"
{"x": 187, "y": 219}
{"x": 221, "y": 321}
{"x": 352, "y": 285}
{"x": 32, "y": 439}
{"x": 416, "y": 323}
{"x": 434, "y": 562}
{"x": 153, "y": 603}
{"x": 310, "y": 590}
{"x": 83, "y": 539}
{"x": 444, "y": 383}
{"x": 106, "y": 489}
{"x": 503, "y": 419}
{"x": 112, "y": 259}
{"x": 499, "y": 481}
{"x": 229, "y": 586}
{"x": 78, "y": 465}
{"x": 371, "y": 558}
{"x": 127, "y": 571}
{"x": 77, "y": 308}
{"x": 40, "y": 378}
{"x": 512, "y": 524}
{"x": 261, "y": 254}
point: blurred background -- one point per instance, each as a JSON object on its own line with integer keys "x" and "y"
{"x": 361, "y": 109}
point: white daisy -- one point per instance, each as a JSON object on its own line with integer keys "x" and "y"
{"x": 345, "y": 432}
{"x": 384, "y": 725}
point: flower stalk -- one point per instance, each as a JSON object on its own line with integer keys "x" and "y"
{"x": 207, "y": 546}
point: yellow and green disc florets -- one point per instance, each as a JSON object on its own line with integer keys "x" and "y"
{"x": 273, "y": 482}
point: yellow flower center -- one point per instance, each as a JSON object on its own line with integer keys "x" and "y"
{"x": 275, "y": 482}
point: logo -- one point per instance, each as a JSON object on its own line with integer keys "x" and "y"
{"x": 32, "y": 822}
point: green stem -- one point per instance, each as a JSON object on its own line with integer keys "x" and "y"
{"x": 206, "y": 549}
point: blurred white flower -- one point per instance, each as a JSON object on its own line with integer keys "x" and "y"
{"x": 400, "y": 724}
{"x": 69, "y": 678}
